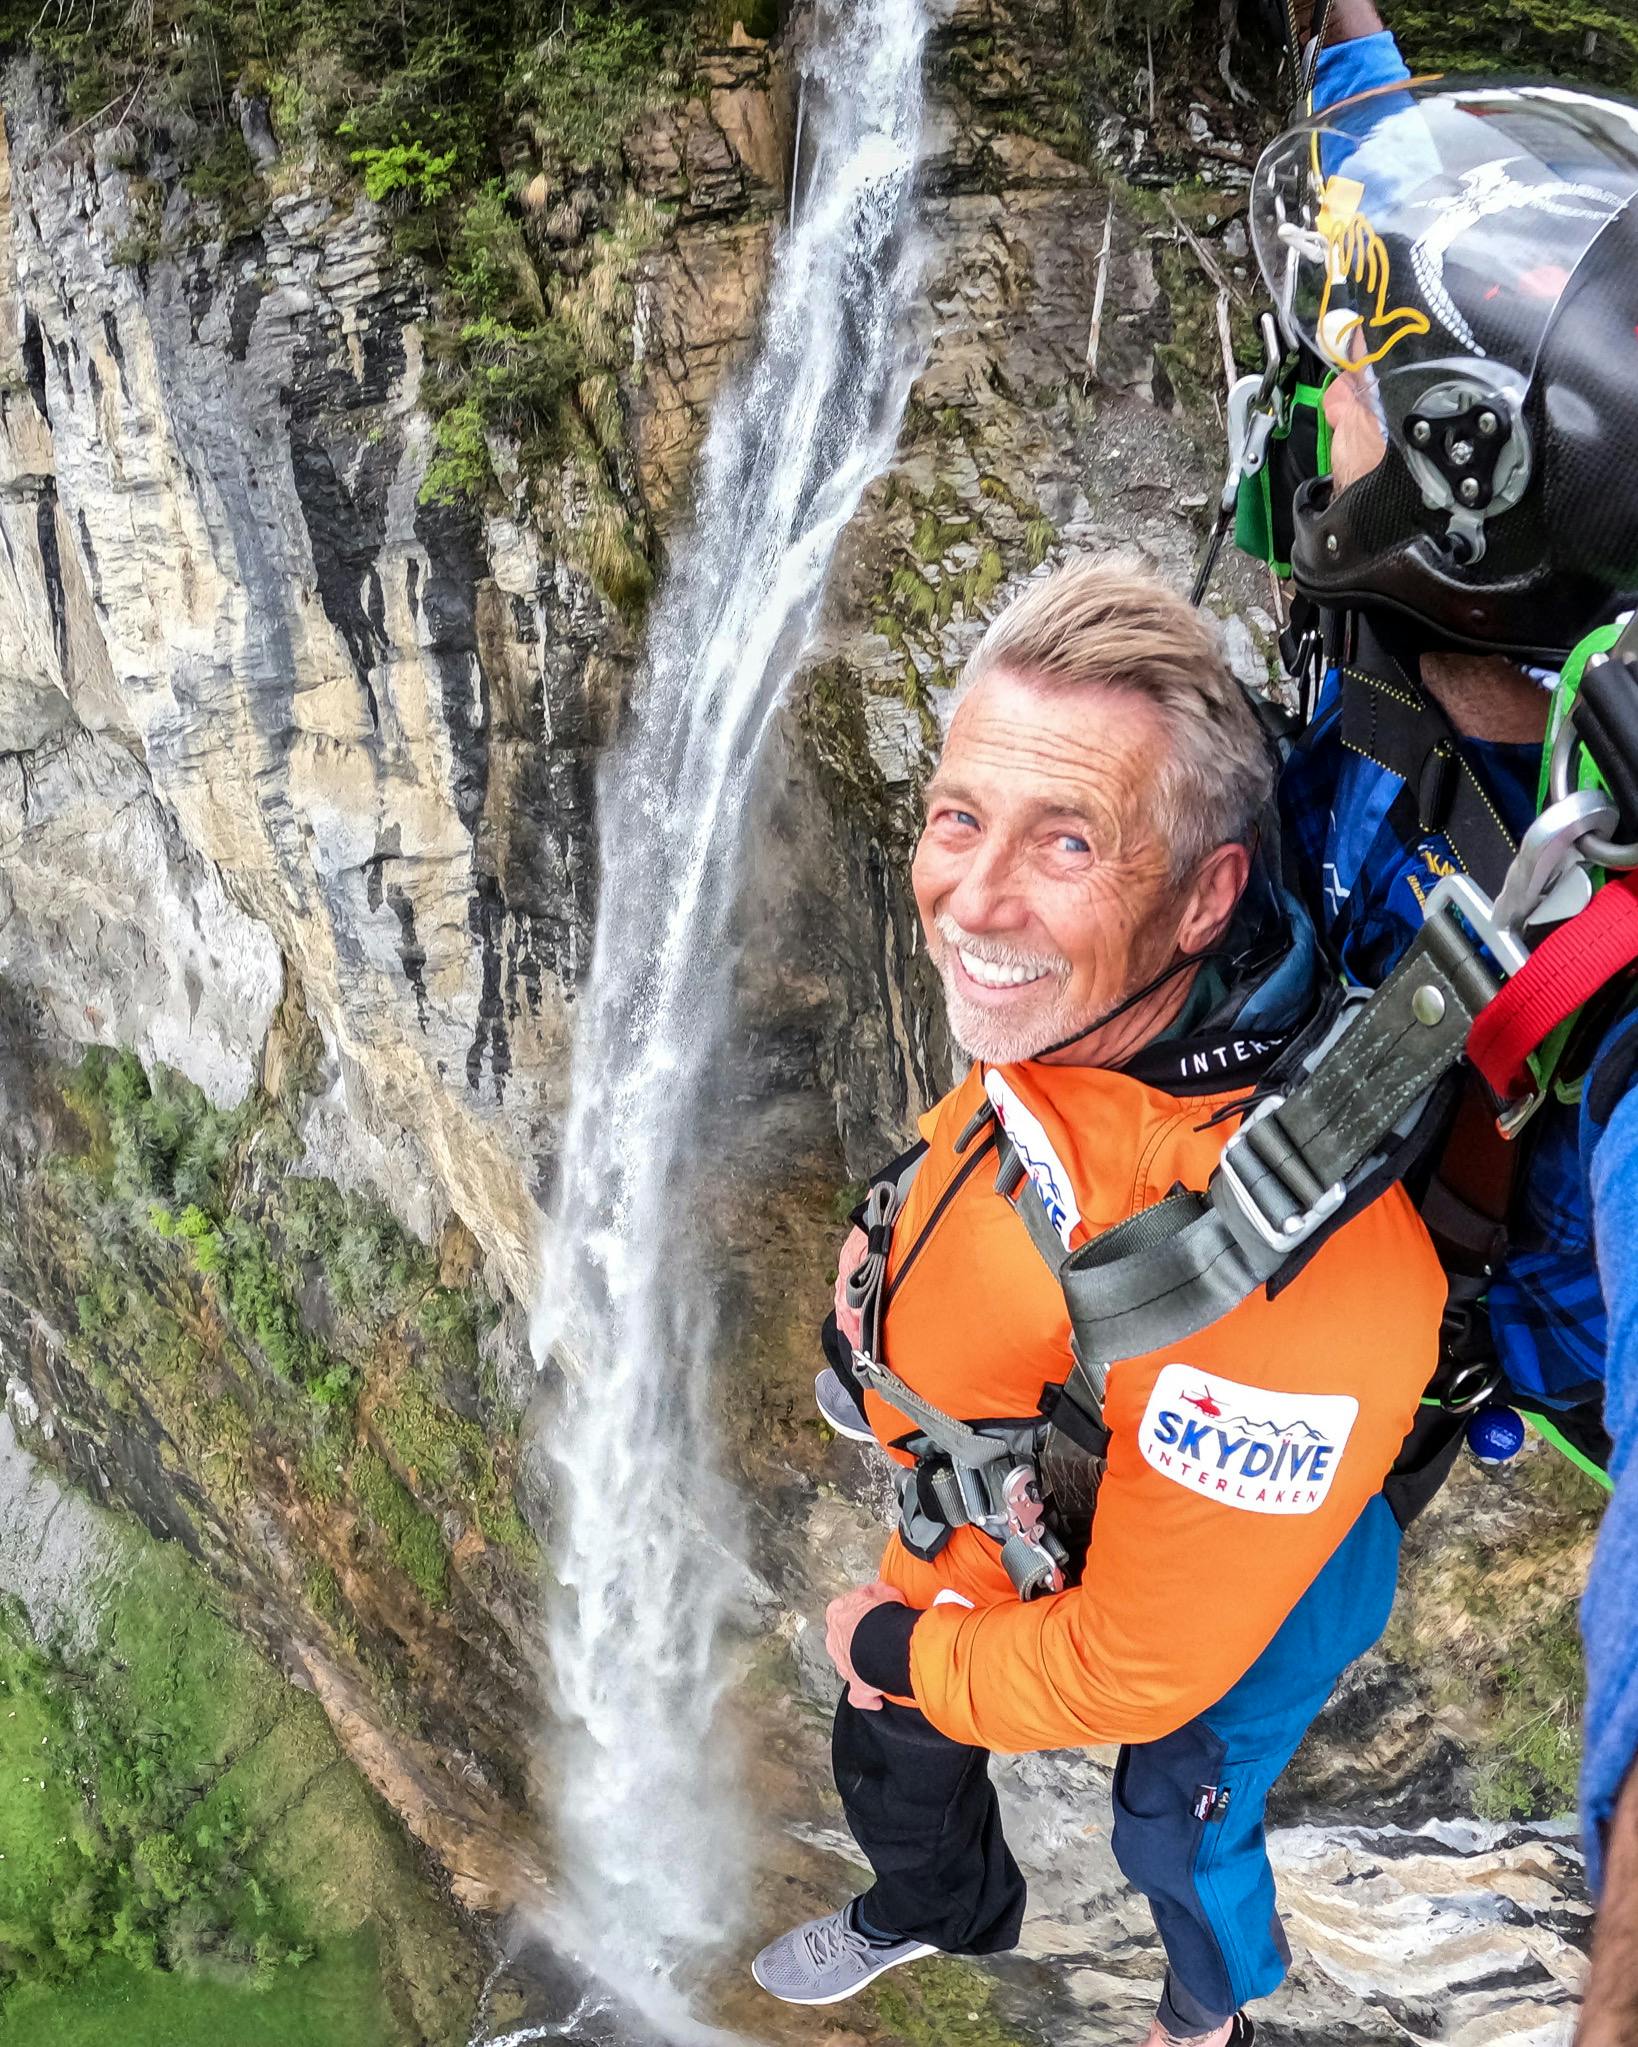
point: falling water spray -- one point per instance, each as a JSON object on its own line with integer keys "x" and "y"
{"x": 650, "y": 1834}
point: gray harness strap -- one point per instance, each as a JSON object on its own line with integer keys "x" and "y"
{"x": 981, "y": 1478}
{"x": 962, "y": 1444}
{"x": 1184, "y": 1263}
{"x": 867, "y": 1283}
{"x": 866, "y": 1292}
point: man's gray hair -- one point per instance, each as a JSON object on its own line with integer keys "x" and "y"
{"x": 1109, "y": 623}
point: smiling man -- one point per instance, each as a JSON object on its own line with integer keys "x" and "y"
{"x": 1121, "y": 972}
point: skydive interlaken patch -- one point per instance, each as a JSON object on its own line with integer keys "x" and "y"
{"x": 1243, "y": 1446}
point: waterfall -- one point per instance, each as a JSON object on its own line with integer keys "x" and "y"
{"x": 649, "y": 1834}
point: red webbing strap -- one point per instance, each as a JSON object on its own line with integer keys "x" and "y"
{"x": 1567, "y": 969}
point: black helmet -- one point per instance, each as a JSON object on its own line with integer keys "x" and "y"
{"x": 1470, "y": 252}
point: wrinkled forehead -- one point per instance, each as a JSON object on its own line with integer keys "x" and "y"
{"x": 1028, "y": 742}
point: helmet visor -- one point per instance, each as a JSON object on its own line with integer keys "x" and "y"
{"x": 1429, "y": 224}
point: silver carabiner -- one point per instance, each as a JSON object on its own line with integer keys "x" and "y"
{"x": 1548, "y": 879}
{"x": 1253, "y": 412}
{"x": 1601, "y": 852}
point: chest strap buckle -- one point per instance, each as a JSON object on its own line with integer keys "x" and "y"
{"x": 1315, "y": 1206}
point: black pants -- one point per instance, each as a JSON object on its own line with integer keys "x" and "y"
{"x": 924, "y": 1811}
{"x": 1188, "y": 1808}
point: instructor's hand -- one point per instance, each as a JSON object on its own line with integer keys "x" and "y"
{"x": 842, "y": 1616}
{"x": 847, "y": 1319}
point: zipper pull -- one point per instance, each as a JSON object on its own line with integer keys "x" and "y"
{"x": 974, "y": 1124}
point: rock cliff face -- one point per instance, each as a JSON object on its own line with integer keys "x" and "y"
{"x": 296, "y": 799}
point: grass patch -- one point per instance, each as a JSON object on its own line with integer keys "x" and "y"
{"x": 411, "y": 1534}
{"x": 187, "y": 1850}
{"x": 1535, "y": 1743}
{"x": 335, "y": 2000}
{"x": 1486, "y": 1626}
{"x": 238, "y": 1313}
{"x": 942, "y": 2001}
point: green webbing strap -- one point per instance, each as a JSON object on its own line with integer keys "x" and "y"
{"x": 1314, "y": 395}
{"x": 1560, "y": 1442}
{"x": 867, "y": 1283}
{"x": 1599, "y": 641}
{"x": 1255, "y": 525}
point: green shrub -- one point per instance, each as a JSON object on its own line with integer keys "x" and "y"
{"x": 224, "y": 174}
{"x": 102, "y": 1305}
{"x": 913, "y": 594}
{"x": 604, "y": 544}
{"x": 459, "y": 471}
{"x": 408, "y": 172}
{"x": 154, "y": 1139}
{"x": 491, "y": 271}
{"x": 934, "y": 537}
{"x": 1039, "y": 534}
{"x": 123, "y": 1848}
{"x": 577, "y": 93}
{"x": 447, "y": 1316}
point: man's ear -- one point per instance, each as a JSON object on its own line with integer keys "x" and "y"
{"x": 1218, "y": 884}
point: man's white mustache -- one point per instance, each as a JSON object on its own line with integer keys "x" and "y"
{"x": 995, "y": 953}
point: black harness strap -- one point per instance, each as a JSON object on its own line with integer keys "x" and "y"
{"x": 1466, "y": 1203}
{"x": 1391, "y": 720}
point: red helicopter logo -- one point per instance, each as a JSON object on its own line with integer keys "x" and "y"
{"x": 1204, "y": 1402}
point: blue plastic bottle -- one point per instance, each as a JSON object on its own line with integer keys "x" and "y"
{"x": 1495, "y": 1434}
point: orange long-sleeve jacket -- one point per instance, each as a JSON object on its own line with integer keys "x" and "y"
{"x": 1239, "y": 1457}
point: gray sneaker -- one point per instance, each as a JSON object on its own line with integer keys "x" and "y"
{"x": 838, "y": 1409}
{"x": 825, "y": 1960}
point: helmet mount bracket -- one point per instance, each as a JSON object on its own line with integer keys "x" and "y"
{"x": 1468, "y": 451}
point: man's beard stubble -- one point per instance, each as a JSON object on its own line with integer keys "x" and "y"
{"x": 992, "y": 1036}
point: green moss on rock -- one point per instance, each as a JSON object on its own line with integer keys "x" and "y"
{"x": 287, "y": 1343}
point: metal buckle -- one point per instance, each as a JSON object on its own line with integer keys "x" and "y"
{"x": 1026, "y": 1521}
{"x": 1545, "y": 883}
{"x": 1296, "y": 1229}
{"x": 1461, "y": 893}
{"x": 1254, "y": 410}
{"x": 1511, "y": 1119}
{"x": 1556, "y": 848}
{"x": 977, "y": 1499}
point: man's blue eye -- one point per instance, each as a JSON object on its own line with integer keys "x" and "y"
{"x": 963, "y": 817}
{"x": 1072, "y": 844}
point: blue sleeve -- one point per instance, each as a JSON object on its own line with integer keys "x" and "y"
{"x": 1609, "y": 1612}
{"x": 1360, "y": 66}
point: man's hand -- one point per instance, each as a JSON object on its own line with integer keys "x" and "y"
{"x": 842, "y": 1616}
{"x": 847, "y": 1319}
